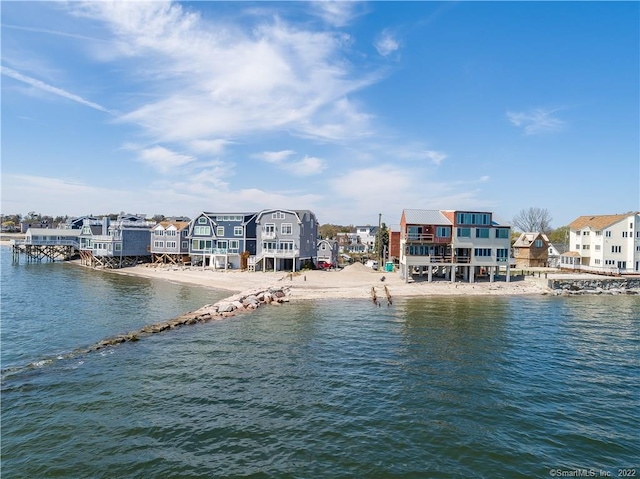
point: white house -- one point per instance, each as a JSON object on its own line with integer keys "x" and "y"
{"x": 367, "y": 235}
{"x": 604, "y": 243}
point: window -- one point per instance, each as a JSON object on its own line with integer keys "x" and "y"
{"x": 222, "y": 244}
{"x": 638, "y": 249}
{"x": 577, "y": 233}
{"x": 184, "y": 232}
{"x": 158, "y": 232}
{"x": 537, "y": 243}
{"x": 170, "y": 232}
{"x": 200, "y": 245}
{"x": 286, "y": 228}
{"x": 597, "y": 247}
{"x": 473, "y": 218}
{"x": 414, "y": 232}
{"x": 502, "y": 233}
{"x": 585, "y": 233}
{"x": 585, "y": 246}
{"x": 607, "y": 234}
{"x": 202, "y": 230}
{"x": 577, "y": 246}
{"x": 598, "y": 233}
{"x": 269, "y": 230}
{"x": 171, "y": 244}
{"x": 286, "y": 246}
{"x": 202, "y": 220}
{"x": 482, "y": 232}
{"x": 616, "y": 249}
{"x": 278, "y": 215}
{"x": 238, "y": 230}
{"x": 502, "y": 254}
{"x": 185, "y": 245}
{"x": 596, "y": 261}
{"x": 609, "y": 262}
{"x": 220, "y": 231}
{"x": 118, "y": 246}
{"x": 465, "y": 232}
{"x": 158, "y": 244}
{"x": 234, "y": 246}
{"x": 625, "y": 234}
{"x": 482, "y": 252}
{"x": 443, "y": 231}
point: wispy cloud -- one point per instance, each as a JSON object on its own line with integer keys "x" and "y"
{"x": 386, "y": 43}
{"x": 222, "y": 80}
{"x": 307, "y": 166}
{"x": 436, "y": 156}
{"x": 276, "y": 157}
{"x": 336, "y": 13}
{"x": 536, "y": 121}
{"x": 51, "y": 89}
{"x": 163, "y": 159}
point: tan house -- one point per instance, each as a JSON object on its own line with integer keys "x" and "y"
{"x": 531, "y": 250}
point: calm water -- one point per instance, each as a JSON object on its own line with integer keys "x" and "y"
{"x": 433, "y": 387}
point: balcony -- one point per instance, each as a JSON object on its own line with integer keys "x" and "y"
{"x": 268, "y": 235}
{"x": 280, "y": 253}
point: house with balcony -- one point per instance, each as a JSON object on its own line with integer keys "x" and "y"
{"x": 453, "y": 244}
{"x": 286, "y": 240}
{"x": 117, "y": 243}
{"x": 170, "y": 242}
{"x": 607, "y": 244}
{"x": 531, "y": 250}
{"x": 367, "y": 237}
{"x": 222, "y": 240}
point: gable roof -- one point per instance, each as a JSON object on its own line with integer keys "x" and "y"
{"x": 526, "y": 239}
{"x": 180, "y": 225}
{"x": 425, "y": 217}
{"x": 597, "y": 222}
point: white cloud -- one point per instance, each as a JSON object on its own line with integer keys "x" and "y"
{"x": 308, "y": 166}
{"x": 536, "y": 121}
{"x": 221, "y": 80}
{"x": 276, "y": 157}
{"x": 211, "y": 147}
{"x": 51, "y": 89}
{"x": 336, "y": 13}
{"x": 386, "y": 43}
{"x": 163, "y": 159}
{"x": 436, "y": 156}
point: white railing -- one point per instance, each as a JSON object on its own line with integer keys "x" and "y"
{"x": 37, "y": 242}
{"x": 268, "y": 234}
{"x": 278, "y": 253}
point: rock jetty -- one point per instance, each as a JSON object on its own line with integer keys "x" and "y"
{"x": 238, "y": 303}
{"x": 595, "y": 286}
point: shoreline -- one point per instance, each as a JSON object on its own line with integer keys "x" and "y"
{"x": 352, "y": 282}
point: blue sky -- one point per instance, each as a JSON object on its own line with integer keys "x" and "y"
{"x": 349, "y": 109}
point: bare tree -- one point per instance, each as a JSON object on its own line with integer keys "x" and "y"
{"x": 533, "y": 219}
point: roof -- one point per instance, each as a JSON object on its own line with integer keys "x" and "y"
{"x": 54, "y": 231}
{"x": 526, "y": 239}
{"x": 180, "y": 225}
{"x": 571, "y": 253}
{"x": 425, "y": 217}
{"x": 597, "y": 222}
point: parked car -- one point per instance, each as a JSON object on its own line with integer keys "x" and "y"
{"x": 325, "y": 265}
{"x": 373, "y": 264}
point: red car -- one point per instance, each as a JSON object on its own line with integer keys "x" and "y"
{"x": 325, "y": 265}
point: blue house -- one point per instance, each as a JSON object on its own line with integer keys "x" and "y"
{"x": 222, "y": 240}
{"x": 115, "y": 244}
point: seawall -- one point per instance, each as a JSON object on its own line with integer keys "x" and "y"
{"x": 595, "y": 286}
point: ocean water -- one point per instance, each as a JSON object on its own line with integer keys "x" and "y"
{"x": 429, "y": 387}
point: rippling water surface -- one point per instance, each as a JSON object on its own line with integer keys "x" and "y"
{"x": 430, "y": 387}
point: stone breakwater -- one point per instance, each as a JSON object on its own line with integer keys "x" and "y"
{"x": 238, "y": 303}
{"x": 595, "y": 286}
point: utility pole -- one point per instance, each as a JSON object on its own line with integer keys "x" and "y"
{"x": 379, "y": 245}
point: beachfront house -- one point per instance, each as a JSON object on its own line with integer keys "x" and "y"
{"x": 170, "y": 242}
{"x": 350, "y": 243}
{"x": 449, "y": 244}
{"x": 554, "y": 254}
{"x": 286, "y": 240}
{"x": 367, "y": 237}
{"x": 328, "y": 251}
{"x": 531, "y": 250}
{"x": 608, "y": 244}
{"x": 117, "y": 243}
{"x": 222, "y": 240}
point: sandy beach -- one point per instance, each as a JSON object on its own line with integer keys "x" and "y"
{"x": 352, "y": 282}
